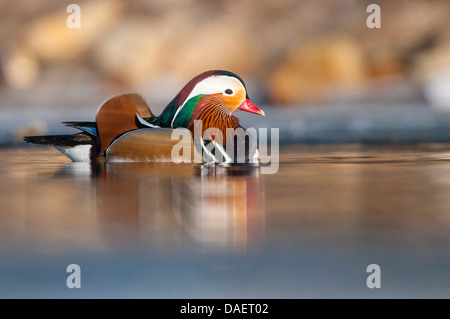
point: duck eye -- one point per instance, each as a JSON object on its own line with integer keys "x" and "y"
{"x": 229, "y": 91}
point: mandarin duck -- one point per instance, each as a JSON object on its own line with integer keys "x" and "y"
{"x": 126, "y": 130}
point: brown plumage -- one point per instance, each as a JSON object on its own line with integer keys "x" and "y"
{"x": 147, "y": 145}
{"x": 213, "y": 113}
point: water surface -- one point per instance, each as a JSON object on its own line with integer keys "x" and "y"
{"x": 187, "y": 231}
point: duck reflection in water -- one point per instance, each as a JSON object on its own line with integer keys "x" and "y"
{"x": 170, "y": 206}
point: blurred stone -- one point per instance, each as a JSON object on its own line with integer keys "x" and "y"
{"x": 309, "y": 70}
{"x": 437, "y": 90}
{"x": 141, "y": 49}
{"x": 385, "y": 64}
{"x": 407, "y": 27}
{"x": 431, "y": 70}
{"x": 434, "y": 60}
{"x": 20, "y": 69}
{"x": 223, "y": 44}
{"x": 133, "y": 51}
{"x": 51, "y": 39}
{"x": 300, "y": 51}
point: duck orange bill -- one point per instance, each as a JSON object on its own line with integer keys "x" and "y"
{"x": 248, "y": 106}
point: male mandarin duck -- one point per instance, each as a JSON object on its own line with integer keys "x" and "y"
{"x": 126, "y": 130}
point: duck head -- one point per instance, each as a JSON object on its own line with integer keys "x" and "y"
{"x": 212, "y": 97}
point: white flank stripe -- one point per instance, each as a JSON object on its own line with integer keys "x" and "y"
{"x": 145, "y": 123}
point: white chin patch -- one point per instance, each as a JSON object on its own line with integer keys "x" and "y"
{"x": 79, "y": 153}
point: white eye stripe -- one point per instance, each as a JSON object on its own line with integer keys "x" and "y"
{"x": 216, "y": 84}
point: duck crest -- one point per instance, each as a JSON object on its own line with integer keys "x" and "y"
{"x": 187, "y": 89}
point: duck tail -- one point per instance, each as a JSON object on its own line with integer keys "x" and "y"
{"x": 80, "y": 147}
{"x": 116, "y": 116}
{"x": 60, "y": 140}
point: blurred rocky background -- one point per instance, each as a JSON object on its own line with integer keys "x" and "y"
{"x": 311, "y": 61}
